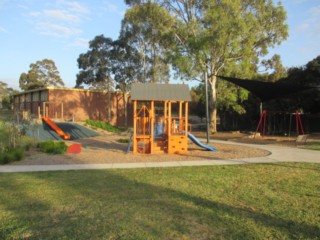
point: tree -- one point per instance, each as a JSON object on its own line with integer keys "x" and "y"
{"x": 210, "y": 35}
{"x": 308, "y": 75}
{"x": 3, "y": 88}
{"x": 279, "y": 71}
{"x": 198, "y": 103}
{"x": 43, "y": 73}
{"x": 125, "y": 67}
{"x": 6, "y": 95}
{"x": 95, "y": 66}
{"x": 144, "y": 28}
{"x": 3, "y": 92}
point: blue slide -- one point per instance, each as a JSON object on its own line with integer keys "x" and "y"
{"x": 197, "y": 142}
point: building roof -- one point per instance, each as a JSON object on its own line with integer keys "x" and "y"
{"x": 62, "y": 88}
{"x": 160, "y": 92}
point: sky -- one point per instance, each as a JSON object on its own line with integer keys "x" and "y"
{"x": 32, "y": 30}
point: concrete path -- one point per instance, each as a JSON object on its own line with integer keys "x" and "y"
{"x": 278, "y": 154}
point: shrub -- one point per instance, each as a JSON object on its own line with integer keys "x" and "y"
{"x": 103, "y": 125}
{"x": 53, "y": 147}
{"x": 11, "y": 155}
{"x": 124, "y": 140}
{"x": 27, "y": 143}
{"x": 18, "y": 154}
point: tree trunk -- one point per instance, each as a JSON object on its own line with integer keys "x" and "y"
{"x": 213, "y": 104}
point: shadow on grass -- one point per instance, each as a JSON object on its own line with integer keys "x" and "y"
{"x": 107, "y": 205}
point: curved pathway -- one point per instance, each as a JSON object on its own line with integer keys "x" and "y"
{"x": 278, "y": 154}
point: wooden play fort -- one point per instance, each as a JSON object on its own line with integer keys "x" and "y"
{"x": 160, "y": 119}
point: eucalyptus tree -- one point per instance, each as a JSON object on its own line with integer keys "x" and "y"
{"x": 96, "y": 68}
{"x": 146, "y": 28}
{"x": 43, "y": 73}
{"x": 212, "y": 35}
{"x": 126, "y": 68}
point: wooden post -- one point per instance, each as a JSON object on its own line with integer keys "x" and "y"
{"x": 165, "y": 115}
{"x": 169, "y": 119}
{"x": 151, "y": 117}
{"x": 62, "y": 117}
{"x": 186, "y": 118}
{"x": 44, "y": 109}
{"x": 134, "y": 142}
{"x": 39, "y": 112}
{"x": 47, "y": 112}
{"x": 180, "y": 116}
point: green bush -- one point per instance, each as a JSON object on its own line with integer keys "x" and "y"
{"x": 11, "y": 155}
{"x": 124, "y": 140}
{"x": 103, "y": 125}
{"x": 53, "y": 147}
{"x": 27, "y": 143}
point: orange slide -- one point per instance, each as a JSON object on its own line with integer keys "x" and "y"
{"x": 58, "y": 130}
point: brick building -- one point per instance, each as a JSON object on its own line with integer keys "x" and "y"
{"x": 69, "y": 104}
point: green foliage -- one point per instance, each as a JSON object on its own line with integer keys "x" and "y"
{"x": 146, "y": 28}
{"x": 230, "y": 97}
{"x": 198, "y": 104}
{"x": 7, "y": 156}
{"x": 307, "y": 101}
{"x": 10, "y": 135}
{"x": 103, "y": 125}
{"x": 43, "y": 73}
{"x": 312, "y": 146}
{"x": 6, "y": 96}
{"x": 53, "y": 147}
{"x": 124, "y": 140}
{"x": 279, "y": 71}
{"x": 13, "y": 143}
{"x": 95, "y": 64}
{"x": 210, "y": 35}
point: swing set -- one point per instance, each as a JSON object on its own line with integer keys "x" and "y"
{"x": 263, "y": 122}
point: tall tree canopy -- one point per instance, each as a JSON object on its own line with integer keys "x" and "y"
{"x": 3, "y": 89}
{"x": 43, "y": 73}
{"x": 95, "y": 64}
{"x": 307, "y": 75}
{"x": 211, "y": 36}
{"x": 146, "y": 29}
{"x": 96, "y": 68}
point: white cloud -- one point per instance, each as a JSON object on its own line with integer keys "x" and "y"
{"x": 112, "y": 8}
{"x": 311, "y": 24}
{"x": 81, "y": 42}
{"x": 61, "y": 19}
{"x": 75, "y": 7}
{"x": 56, "y": 30}
{"x": 34, "y": 14}
{"x": 61, "y": 15}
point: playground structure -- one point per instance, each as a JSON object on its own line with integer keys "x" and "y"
{"x": 160, "y": 118}
{"x": 54, "y": 127}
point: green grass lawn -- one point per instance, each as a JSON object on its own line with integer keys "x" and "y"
{"x": 261, "y": 201}
{"x": 312, "y": 146}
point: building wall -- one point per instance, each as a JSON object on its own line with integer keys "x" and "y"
{"x": 74, "y": 104}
